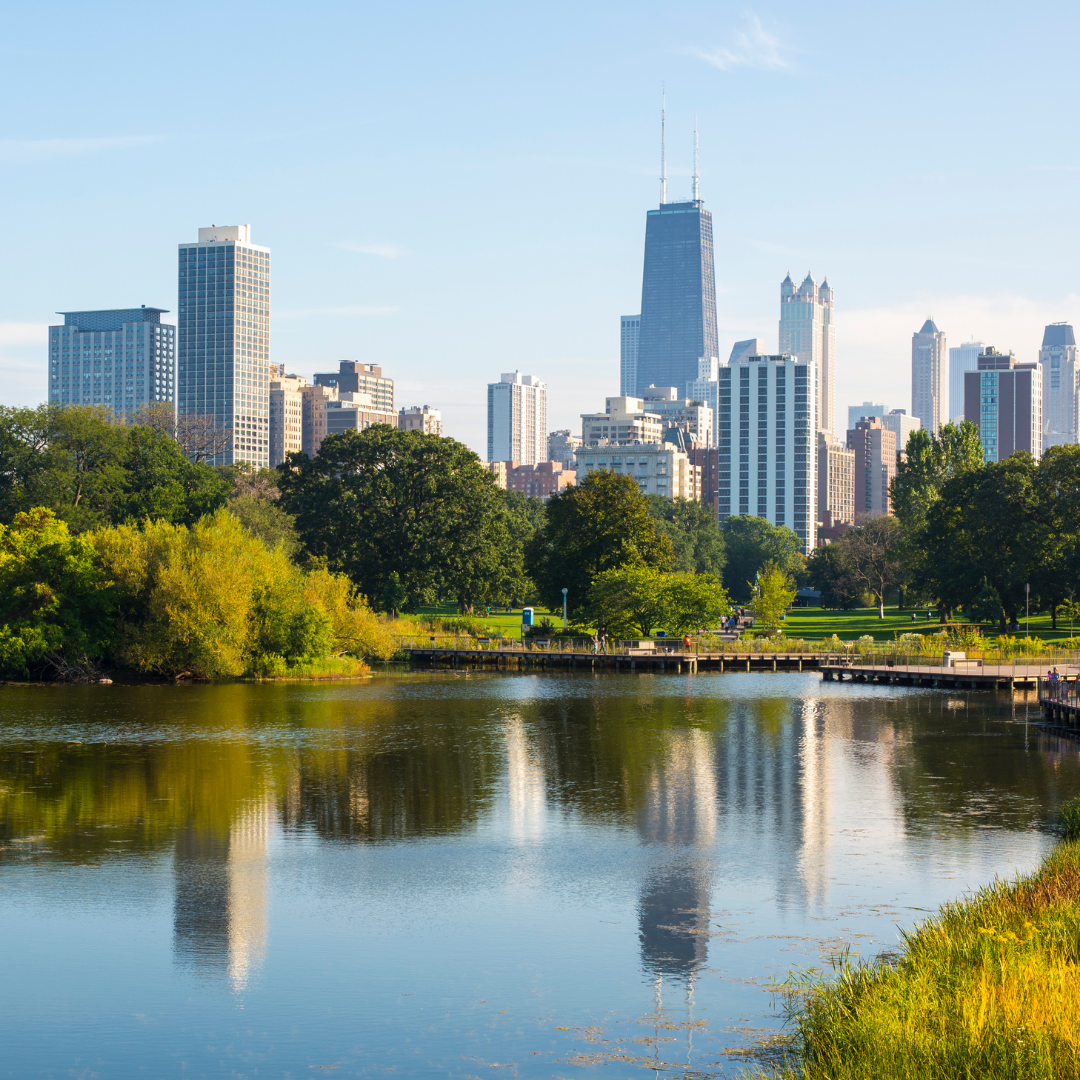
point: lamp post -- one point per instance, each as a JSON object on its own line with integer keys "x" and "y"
{"x": 564, "y": 609}
{"x": 1027, "y": 610}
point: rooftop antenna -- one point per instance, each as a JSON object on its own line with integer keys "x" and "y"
{"x": 663, "y": 144}
{"x": 695, "y": 162}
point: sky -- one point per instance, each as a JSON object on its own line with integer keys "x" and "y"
{"x": 458, "y": 190}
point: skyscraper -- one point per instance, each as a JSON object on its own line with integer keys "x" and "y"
{"x": 678, "y": 290}
{"x": 961, "y": 358}
{"x": 928, "y": 377}
{"x": 122, "y": 358}
{"x": 1061, "y": 385}
{"x": 806, "y": 331}
{"x": 1004, "y": 400}
{"x": 224, "y": 338}
{"x": 768, "y": 470}
{"x": 517, "y": 419}
{"x": 629, "y": 335}
{"x": 875, "y": 466}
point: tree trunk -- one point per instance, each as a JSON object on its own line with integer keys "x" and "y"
{"x": 881, "y": 604}
{"x": 1002, "y": 628}
{"x": 1053, "y": 615}
{"x": 899, "y": 599}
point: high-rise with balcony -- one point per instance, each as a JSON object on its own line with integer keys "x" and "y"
{"x": 806, "y": 331}
{"x": 223, "y": 339}
{"x": 517, "y": 419}
{"x": 122, "y": 359}
{"x": 929, "y": 377}
{"x": 1061, "y": 385}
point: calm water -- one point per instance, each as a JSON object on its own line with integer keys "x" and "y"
{"x": 434, "y": 875}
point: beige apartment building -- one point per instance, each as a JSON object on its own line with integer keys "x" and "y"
{"x": 421, "y": 418}
{"x": 835, "y": 482}
{"x": 315, "y": 400}
{"x": 874, "y": 447}
{"x": 624, "y": 420}
{"x": 286, "y": 413}
{"x": 659, "y": 468}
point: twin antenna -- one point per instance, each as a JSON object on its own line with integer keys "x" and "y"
{"x": 663, "y": 151}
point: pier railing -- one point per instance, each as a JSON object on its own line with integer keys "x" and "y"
{"x": 699, "y": 644}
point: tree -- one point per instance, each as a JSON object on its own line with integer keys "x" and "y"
{"x": 626, "y": 600}
{"x": 751, "y": 542}
{"x": 986, "y": 605}
{"x": 693, "y": 602}
{"x": 772, "y": 596}
{"x": 597, "y": 525}
{"x": 695, "y": 536}
{"x": 872, "y": 552}
{"x": 1070, "y": 612}
{"x": 382, "y": 500}
{"x": 394, "y": 597}
{"x": 827, "y": 570}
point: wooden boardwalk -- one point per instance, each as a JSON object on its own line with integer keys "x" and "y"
{"x": 965, "y": 675}
{"x": 1059, "y": 702}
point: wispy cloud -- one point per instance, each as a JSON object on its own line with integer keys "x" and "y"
{"x": 23, "y": 333}
{"x": 753, "y": 47}
{"x": 303, "y": 313}
{"x": 384, "y": 251}
{"x": 23, "y": 150}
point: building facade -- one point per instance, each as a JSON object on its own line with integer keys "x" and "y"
{"x": 561, "y": 447}
{"x": 835, "y": 481}
{"x": 122, "y": 359}
{"x": 929, "y": 377}
{"x": 315, "y": 400}
{"x": 629, "y": 336}
{"x": 767, "y": 442}
{"x": 706, "y": 388}
{"x": 901, "y": 425}
{"x": 659, "y": 468}
{"x": 517, "y": 419}
{"x": 678, "y": 296}
{"x": 355, "y": 412}
{"x": 806, "y": 331}
{"x": 539, "y": 481}
{"x": 624, "y": 420}
{"x": 421, "y": 418}
{"x": 962, "y": 358}
{"x": 223, "y": 339}
{"x": 354, "y": 378}
{"x": 688, "y": 415}
{"x": 1004, "y": 400}
{"x": 1061, "y": 385}
{"x": 286, "y": 414}
{"x": 874, "y": 447}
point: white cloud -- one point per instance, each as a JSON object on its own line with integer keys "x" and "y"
{"x": 23, "y": 150}
{"x": 301, "y": 313}
{"x": 753, "y": 47}
{"x": 23, "y": 333}
{"x": 384, "y": 251}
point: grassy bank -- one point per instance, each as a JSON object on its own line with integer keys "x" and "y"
{"x": 987, "y": 988}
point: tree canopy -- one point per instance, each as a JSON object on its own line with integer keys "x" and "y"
{"x": 637, "y": 599}
{"x": 751, "y": 542}
{"x": 695, "y": 536}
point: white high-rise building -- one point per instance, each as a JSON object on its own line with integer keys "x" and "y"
{"x": 517, "y": 419}
{"x": 961, "y": 358}
{"x": 928, "y": 377}
{"x": 629, "y": 336}
{"x": 705, "y": 388}
{"x": 223, "y": 340}
{"x": 1060, "y": 384}
{"x": 123, "y": 359}
{"x": 806, "y": 331}
{"x": 768, "y": 442}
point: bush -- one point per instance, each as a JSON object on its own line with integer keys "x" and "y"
{"x": 1070, "y": 819}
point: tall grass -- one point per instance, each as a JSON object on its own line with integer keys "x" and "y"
{"x": 988, "y": 988}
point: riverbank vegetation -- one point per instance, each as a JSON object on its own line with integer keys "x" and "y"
{"x": 987, "y": 988}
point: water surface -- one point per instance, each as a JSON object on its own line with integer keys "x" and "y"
{"x": 432, "y": 875}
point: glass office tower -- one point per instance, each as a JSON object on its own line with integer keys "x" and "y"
{"x": 223, "y": 339}
{"x": 678, "y": 296}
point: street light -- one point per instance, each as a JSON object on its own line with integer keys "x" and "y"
{"x": 564, "y": 609}
{"x": 1027, "y": 610}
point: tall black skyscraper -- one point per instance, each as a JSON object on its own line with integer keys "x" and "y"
{"x": 678, "y": 289}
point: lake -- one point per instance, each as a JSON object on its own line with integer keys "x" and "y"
{"x": 448, "y": 875}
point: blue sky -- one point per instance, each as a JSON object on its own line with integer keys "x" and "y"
{"x": 454, "y": 191}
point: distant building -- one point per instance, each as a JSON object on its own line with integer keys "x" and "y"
{"x": 901, "y": 425}
{"x": 750, "y": 347}
{"x": 768, "y": 441}
{"x": 561, "y": 447}
{"x": 929, "y": 377}
{"x": 122, "y": 358}
{"x": 835, "y": 481}
{"x": 659, "y": 468}
{"x": 707, "y": 459}
{"x": 962, "y": 358}
{"x": 539, "y": 481}
{"x": 517, "y": 419}
{"x": 286, "y": 414}
{"x": 685, "y": 414}
{"x": 629, "y": 336}
{"x": 706, "y": 387}
{"x": 1061, "y": 385}
{"x": 354, "y": 378}
{"x": 356, "y": 412}
{"x": 421, "y": 418}
{"x": 868, "y": 408}
{"x": 314, "y": 400}
{"x": 1004, "y": 400}
{"x": 624, "y": 420}
{"x": 499, "y": 470}
{"x": 874, "y": 446}
{"x": 806, "y": 331}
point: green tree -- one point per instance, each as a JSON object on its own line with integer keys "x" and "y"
{"x": 382, "y": 500}
{"x": 694, "y": 533}
{"x": 1070, "y": 612}
{"x": 872, "y": 553}
{"x": 827, "y": 570}
{"x": 985, "y": 606}
{"x": 254, "y": 500}
{"x": 751, "y": 542}
{"x": 394, "y": 597}
{"x": 693, "y": 602}
{"x": 772, "y": 596}
{"x": 627, "y": 601}
{"x": 597, "y": 525}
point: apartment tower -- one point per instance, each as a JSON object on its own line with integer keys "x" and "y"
{"x": 1004, "y": 400}
{"x": 1061, "y": 385}
{"x": 806, "y": 331}
{"x": 223, "y": 340}
{"x": 875, "y": 466}
{"x": 286, "y": 414}
{"x": 629, "y": 336}
{"x": 962, "y": 358}
{"x": 929, "y": 382}
{"x": 517, "y": 419}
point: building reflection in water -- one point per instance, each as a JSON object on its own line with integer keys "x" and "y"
{"x": 219, "y": 913}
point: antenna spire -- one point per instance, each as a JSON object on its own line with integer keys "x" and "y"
{"x": 663, "y": 145}
{"x": 695, "y": 162}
